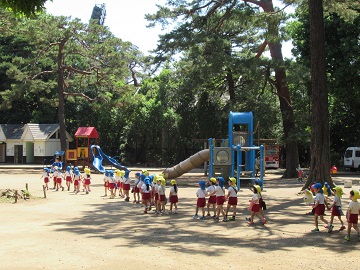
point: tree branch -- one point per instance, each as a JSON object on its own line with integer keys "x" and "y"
{"x": 43, "y": 73}
{"x": 262, "y": 49}
{"x": 66, "y": 94}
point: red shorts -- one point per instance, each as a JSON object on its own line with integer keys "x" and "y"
{"x": 354, "y": 218}
{"x": 68, "y": 179}
{"x": 212, "y": 199}
{"x": 106, "y": 184}
{"x": 126, "y": 186}
{"x": 335, "y": 211}
{"x": 320, "y": 210}
{"x": 111, "y": 185}
{"x": 255, "y": 208}
{"x": 174, "y": 199}
{"x": 59, "y": 180}
{"x": 146, "y": 196}
{"x": 220, "y": 200}
{"x": 136, "y": 190}
{"x": 162, "y": 198}
{"x": 233, "y": 200}
{"x": 201, "y": 202}
{"x": 46, "y": 180}
{"x": 87, "y": 182}
{"x": 119, "y": 184}
{"x": 156, "y": 196}
{"x": 76, "y": 182}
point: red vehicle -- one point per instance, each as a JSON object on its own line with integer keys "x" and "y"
{"x": 272, "y": 156}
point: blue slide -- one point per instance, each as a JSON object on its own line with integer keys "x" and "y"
{"x": 99, "y": 156}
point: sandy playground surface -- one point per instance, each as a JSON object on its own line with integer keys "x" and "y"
{"x": 67, "y": 231}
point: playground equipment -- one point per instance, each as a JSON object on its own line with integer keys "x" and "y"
{"x": 235, "y": 155}
{"x": 98, "y": 156}
{"x": 80, "y": 155}
{"x": 89, "y": 154}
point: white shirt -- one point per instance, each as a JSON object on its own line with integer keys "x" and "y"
{"x": 255, "y": 198}
{"x": 233, "y": 191}
{"x": 337, "y": 201}
{"x": 144, "y": 190}
{"x": 161, "y": 190}
{"x": 219, "y": 191}
{"x": 200, "y": 193}
{"x": 172, "y": 191}
{"x": 211, "y": 189}
{"x": 320, "y": 198}
{"x": 127, "y": 180}
{"x": 140, "y": 184}
{"x": 354, "y": 207}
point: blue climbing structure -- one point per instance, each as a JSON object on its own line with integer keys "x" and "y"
{"x": 235, "y": 156}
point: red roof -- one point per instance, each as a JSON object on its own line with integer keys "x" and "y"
{"x": 88, "y": 132}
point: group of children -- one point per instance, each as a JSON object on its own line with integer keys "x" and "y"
{"x": 70, "y": 177}
{"x": 218, "y": 195}
{"x": 150, "y": 188}
{"x": 321, "y": 203}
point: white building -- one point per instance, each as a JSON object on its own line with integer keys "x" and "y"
{"x": 29, "y": 143}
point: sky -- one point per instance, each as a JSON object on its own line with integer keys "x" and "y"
{"x": 125, "y": 19}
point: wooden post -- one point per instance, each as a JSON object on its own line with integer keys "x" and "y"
{"x": 44, "y": 189}
{"x": 27, "y": 187}
{"x": 16, "y": 196}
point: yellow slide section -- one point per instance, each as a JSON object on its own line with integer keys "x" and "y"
{"x": 185, "y": 166}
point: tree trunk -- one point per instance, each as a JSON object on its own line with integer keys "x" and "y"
{"x": 292, "y": 154}
{"x": 320, "y": 141}
{"x": 61, "y": 109}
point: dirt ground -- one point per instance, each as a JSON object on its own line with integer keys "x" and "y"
{"x": 67, "y": 231}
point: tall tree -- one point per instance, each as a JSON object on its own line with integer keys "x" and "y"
{"x": 320, "y": 142}
{"x": 208, "y": 19}
{"x": 72, "y": 59}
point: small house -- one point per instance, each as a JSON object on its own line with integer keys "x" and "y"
{"x": 29, "y": 143}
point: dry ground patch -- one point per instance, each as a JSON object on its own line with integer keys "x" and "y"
{"x": 67, "y": 231}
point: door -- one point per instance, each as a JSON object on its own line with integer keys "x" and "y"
{"x": 18, "y": 154}
{"x": 29, "y": 152}
{"x": 2, "y": 152}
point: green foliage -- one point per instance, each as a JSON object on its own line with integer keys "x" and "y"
{"x": 343, "y": 63}
{"x": 24, "y": 7}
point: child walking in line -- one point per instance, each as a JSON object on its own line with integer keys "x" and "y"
{"x": 155, "y": 194}
{"x": 319, "y": 206}
{"x": 201, "y": 201}
{"x": 260, "y": 214}
{"x": 87, "y": 180}
{"x": 126, "y": 185}
{"x": 68, "y": 177}
{"x": 336, "y": 209}
{"x": 220, "y": 197}
{"x": 212, "y": 198}
{"x": 254, "y": 206}
{"x": 46, "y": 176}
{"x": 136, "y": 189}
{"x": 173, "y": 196}
{"x": 162, "y": 196}
{"x": 119, "y": 181}
{"x": 59, "y": 178}
{"x": 54, "y": 176}
{"x": 146, "y": 194}
{"x": 77, "y": 180}
{"x": 112, "y": 184}
{"x": 106, "y": 182}
{"x": 352, "y": 214}
{"x": 232, "y": 199}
